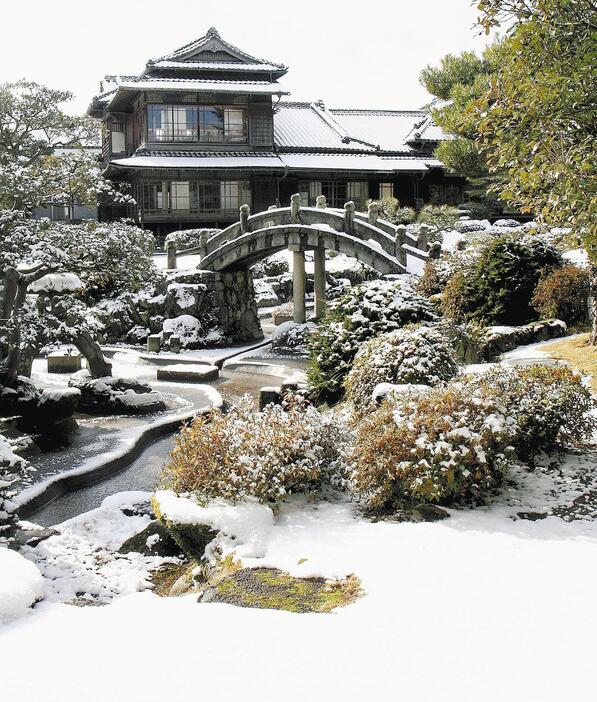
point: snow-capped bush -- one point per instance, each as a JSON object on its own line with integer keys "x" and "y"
{"x": 267, "y": 454}
{"x": 271, "y": 266}
{"x": 549, "y": 404}
{"x": 445, "y": 446}
{"x": 373, "y": 308}
{"x": 189, "y": 238}
{"x": 421, "y": 356}
{"x": 13, "y": 469}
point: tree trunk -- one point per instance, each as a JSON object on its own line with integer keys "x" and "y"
{"x": 98, "y": 366}
{"x": 593, "y": 304}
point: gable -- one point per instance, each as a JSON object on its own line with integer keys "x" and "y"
{"x": 212, "y": 55}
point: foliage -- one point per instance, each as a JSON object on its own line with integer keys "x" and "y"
{"x": 13, "y": 470}
{"x": 564, "y": 294}
{"x": 498, "y": 285}
{"x": 373, "y": 308}
{"x": 440, "y": 216}
{"x": 456, "y": 83}
{"x": 537, "y": 117}
{"x": 405, "y": 215}
{"x": 43, "y": 152}
{"x": 444, "y": 446}
{"x": 267, "y": 454}
{"x": 420, "y": 356}
{"x": 437, "y": 272}
{"x": 386, "y": 208}
{"x": 550, "y": 405}
{"x": 189, "y": 238}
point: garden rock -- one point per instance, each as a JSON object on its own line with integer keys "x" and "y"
{"x": 115, "y": 395}
{"x": 154, "y": 540}
{"x": 191, "y": 538}
{"x": 291, "y": 339}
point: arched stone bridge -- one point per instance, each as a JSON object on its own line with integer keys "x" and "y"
{"x": 379, "y": 244}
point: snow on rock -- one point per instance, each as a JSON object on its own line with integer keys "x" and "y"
{"x": 245, "y": 527}
{"x": 265, "y": 295}
{"x": 21, "y": 585}
{"x": 577, "y": 257}
{"x": 82, "y": 560}
{"x": 186, "y": 327}
{"x": 57, "y": 283}
{"x": 291, "y": 339}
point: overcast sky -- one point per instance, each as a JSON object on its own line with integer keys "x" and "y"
{"x": 351, "y": 54}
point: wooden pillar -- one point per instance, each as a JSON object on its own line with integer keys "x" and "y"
{"x": 298, "y": 285}
{"x": 319, "y": 281}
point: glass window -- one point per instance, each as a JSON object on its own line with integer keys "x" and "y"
{"x": 211, "y": 128}
{"x": 208, "y": 196}
{"x": 180, "y": 197}
{"x": 153, "y": 198}
{"x": 386, "y": 190}
{"x": 159, "y": 123}
{"x": 184, "y": 123}
{"x": 235, "y": 125}
{"x": 233, "y": 194}
{"x": 358, "y": 192}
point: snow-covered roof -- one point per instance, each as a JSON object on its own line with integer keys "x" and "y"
{"x": 292, "y": 161}
{"x": 217, "y": 66}
{"x": 303, "y": 126}
{"x": 186, "y": 159}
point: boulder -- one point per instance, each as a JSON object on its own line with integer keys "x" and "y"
{"x": 191, "y": 538}
{"x": 184, "y": 298}
{"x": 291, "y": 339}
{"x": 265, "y": 295}
{"x": 188, "y": 373}
{"x": 154, "y": 540}
{"x": 116, "y": 395}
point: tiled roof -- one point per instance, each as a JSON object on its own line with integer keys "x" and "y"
{"x": 206, "y": 154}
{"x": 216, "y": 66}
{"x": 211, "y": 42}
{"x": 301, "y": 126}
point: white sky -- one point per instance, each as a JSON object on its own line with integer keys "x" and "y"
{"x": 351, "y": 54}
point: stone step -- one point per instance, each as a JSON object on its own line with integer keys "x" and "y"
{"x": 188, "y": 373}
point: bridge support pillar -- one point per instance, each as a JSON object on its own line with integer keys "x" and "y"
{"x": 298, "y": 285}
{"x": 319, "y": 281}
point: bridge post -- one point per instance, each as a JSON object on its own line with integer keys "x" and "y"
{"x": 319, "y": 281}
{"x": 349, "y": 209}
{"x": 372, "y": 213}
{"x": 298, "y": 283}
{"x": 170, "y": 255}
{"x": 245, "y": 211}
{"x": 295, "y": 208}
{"x": 400, "y": 253}
{"x": 321, "y": 202}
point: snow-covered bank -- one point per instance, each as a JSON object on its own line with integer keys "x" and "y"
{"x": 474, "y": 608}
{"x": 21, "y": 585}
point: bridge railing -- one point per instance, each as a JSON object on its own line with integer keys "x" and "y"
{"x": 394, "y": 240}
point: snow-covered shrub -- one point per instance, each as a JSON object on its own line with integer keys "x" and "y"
{"x": 549, "y": 404}
{"x": 564, "y": 294}
{"x": 405, "y": 215}
{"x": 373, "y": 308}
{"x": 189, "y": 238}
{"x": 386, "y": 208}
{"x": 445, "y": 446}
{"x": 421, "y": 356}
{"x": 13, "y": 470}
{"x": 496, "y": 287}
{"x": 265, "y": 295}
{"x": 291, "y": 339}
{"x": 267, "y": 454}
{"x": 437, "y": 272}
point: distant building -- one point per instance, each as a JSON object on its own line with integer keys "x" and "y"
{"x": 205, "y": 129}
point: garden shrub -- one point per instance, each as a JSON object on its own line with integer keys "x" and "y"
{"x": 438, "y": 271}
{"x": 373, "y": 308}
{"x": 497, "y": 286}
{"x": 445, "y": 446}
{"x": 386, "y": 208}
{"x": 550, "y": 405}
{"x": 265, "y": 454}
{"x": 420, "y": 355}
{"x": 439, "y": 216}
{"x": 564, "y": 294}
{"x": 405, "y": 215}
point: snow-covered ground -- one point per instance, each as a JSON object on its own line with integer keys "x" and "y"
{"x": 481, "y": 606}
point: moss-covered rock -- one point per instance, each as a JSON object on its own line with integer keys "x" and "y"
{"x": 154, "y": 540}
{"x": 269, "y": 588}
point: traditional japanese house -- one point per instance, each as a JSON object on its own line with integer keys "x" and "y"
{"x": 208, "y": 128}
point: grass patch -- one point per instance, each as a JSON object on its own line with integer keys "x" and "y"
{"x": 269, "y": 588}
{"x": 579, "y": 352}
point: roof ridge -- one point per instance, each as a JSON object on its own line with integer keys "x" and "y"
{"x": 368, "y": 111}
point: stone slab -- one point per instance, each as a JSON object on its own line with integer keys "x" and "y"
{"x": 188, "y": 373}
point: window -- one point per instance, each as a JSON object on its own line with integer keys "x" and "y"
{"x": 208, "y": 195}
{"x": 235, "y": 126}
{"x": 358, "y": 192}
{"x": 386, "y": 190}
{"x": 337, "y": 193}
{"x": 184, "y": 121}
{"x": 234, "y": 193}
{"x": 207, "y": 125}
{"x": 153, "y": 197}
{"x": 180, "y": 196}
{"x": 159, "y": 123}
